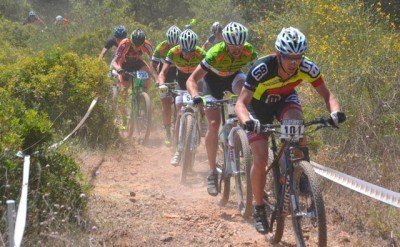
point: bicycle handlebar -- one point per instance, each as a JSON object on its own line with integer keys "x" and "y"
{"x": 323, "y": 122}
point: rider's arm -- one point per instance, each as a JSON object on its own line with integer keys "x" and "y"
{"x": 191, "y": 83}
{"x": 154, "y": 64}
{"x": 114, "y": 63}
{"x": 244, "y": 99}
{"x": 206, "y": 46}
{"x": 330, "y": 99}
{"x": 103, "y": 52}
{"x": 162, "y": 76}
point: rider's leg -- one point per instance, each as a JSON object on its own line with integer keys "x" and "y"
{"x": 259, "y": 149}
{"x": 211, "y": 139}
{"x": 176, "y": 157}
{"x": 166, "y": 115}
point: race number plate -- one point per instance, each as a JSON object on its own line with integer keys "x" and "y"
{"x": 292, "y": 129}
{"x": 187, "y": 99}
{"x": 142, "y": 75}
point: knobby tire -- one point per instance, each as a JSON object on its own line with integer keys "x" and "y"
{"x": 310, "y": 200}
{"x": 224, "y": 180}
{"x": 272, "y": 194}
{"x": 188, "y": 155}
{"x": 244, "y": 192}
{"x": 143, "y": 118}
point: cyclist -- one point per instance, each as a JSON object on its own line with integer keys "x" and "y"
{"x": 61, "y": 22}
{"x": 221, "y": 69}
{"x": 216, "y": 36}
{"x": 129, "y": 57}
{"x": 185, "y": 56}
{"x": 158, "y": 61}
{"x": 33, "y": 18}
{"x": 270, "y": 92}
{"x": 119, "y": 34}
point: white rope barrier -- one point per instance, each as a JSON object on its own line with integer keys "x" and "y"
{"x": 358, "y": 185}
{"x": 22, "y": 208}
{"x": 56, "y": 145}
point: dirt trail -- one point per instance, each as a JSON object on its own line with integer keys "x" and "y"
{"x": 137, "y": 200}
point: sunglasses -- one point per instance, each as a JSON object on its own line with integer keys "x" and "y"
{"x": 291, "y": 58}
{"x": 186, "y": 50}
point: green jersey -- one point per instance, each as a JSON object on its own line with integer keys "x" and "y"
{"x": 175, "y": 56}
{"x": 161, "y": 52}
{"x": 219, "y": 62}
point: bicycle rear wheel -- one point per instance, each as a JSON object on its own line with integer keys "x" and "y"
{"x": 188, "y": 154}
{"x": 308, "y": 217}
{"x": 224, "y": 179}
{"x": 244, "y": 192}
{"x": 272, "y": 194}
{"x": 143, "y": 118}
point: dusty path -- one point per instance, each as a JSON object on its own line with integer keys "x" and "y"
{"x": 137, "y": 200}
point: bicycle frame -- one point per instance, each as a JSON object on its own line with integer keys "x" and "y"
{"x": 138, "y": 99}
{"x": 295, "y": 184}
{"x": 235, "y": 151}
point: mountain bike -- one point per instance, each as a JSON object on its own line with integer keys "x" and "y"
{"x": 233, "y": 158}
{"x": 293, "y": 187}
{"x": 139, "y": 114}
{"x": 189, "y": 133}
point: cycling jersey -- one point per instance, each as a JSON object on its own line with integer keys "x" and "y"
{"x": 224, "y": 71}
{"x": 127, "y": 53}
{"x": 160, "y": 52}
{"x": 111, "y": 43}
{"x": 264, "y": 81}
{"x": 63, "y": 23}
{"x": 219, "y": 62}
{"x": 175, "y": 57}
{"x": 185, "y": 67}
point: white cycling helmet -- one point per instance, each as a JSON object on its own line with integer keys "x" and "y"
{"x": 58, "y": 18}
{"x": 235, "y": 34}
{"x": 188, "y": 39}
{"x": 173, "y": 35}
{"x": 291, "y": 41}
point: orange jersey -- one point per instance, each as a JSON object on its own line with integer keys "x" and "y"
{"x": 63, "y": 23}
{"x": 128, "y": 53}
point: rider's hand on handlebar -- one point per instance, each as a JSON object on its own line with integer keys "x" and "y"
{"x": 197, "y": 100}
{"x": 338, "y": 117}
{"x": 253, "y": 125}
{"x": 120, "y": 71}
{"x": 163, "y": 90}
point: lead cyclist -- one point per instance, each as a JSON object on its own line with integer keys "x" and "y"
{"x": 269, "y": 92}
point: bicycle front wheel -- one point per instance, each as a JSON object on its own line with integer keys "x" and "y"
{"x": 188, "y": 154}
{"x": 244, "y": 192}
{"x": 308, "y": 216}
{"x": 224, "y": 179}
{"x": 143, "y": 118}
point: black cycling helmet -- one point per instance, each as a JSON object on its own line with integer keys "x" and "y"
{"x": 138, "y": 37}
{"x": 120, "y": 32}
